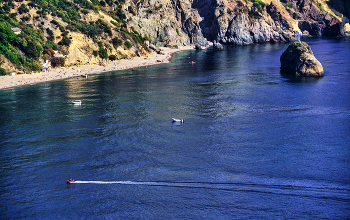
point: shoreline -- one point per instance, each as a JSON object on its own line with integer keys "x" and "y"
{"x": 10, "y": 82}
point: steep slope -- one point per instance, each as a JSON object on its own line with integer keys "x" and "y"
{"x": 238, "y": 22}
{"x": 166, "y": 22}
{"x": 313, "y": 19}
{"x": 82, "y": 31}
{"x": 227, "y": 21}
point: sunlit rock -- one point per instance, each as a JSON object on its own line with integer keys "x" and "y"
{"x": 299, "y": 60}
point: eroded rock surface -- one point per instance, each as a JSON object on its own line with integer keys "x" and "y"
{"x": 314, "y": 20}
{"x": 299, "y": 60}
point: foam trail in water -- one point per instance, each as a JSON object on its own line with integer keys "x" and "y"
{"x": 142, "y": 183}
{"x": 291, "y": 190}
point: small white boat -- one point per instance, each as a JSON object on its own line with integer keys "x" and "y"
{"x": 85, "y": 76}
{"x": 76, "y": 102}
{"x": 178, "y": 120}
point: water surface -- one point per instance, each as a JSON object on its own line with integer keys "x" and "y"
{"x": 255, "y": 143}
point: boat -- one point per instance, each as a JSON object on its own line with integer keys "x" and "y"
{"x": 70, "y": 181}
{"x": 85, "y": 76}
{"x": 76, "y": 102}
{"x": 178, "y": 120}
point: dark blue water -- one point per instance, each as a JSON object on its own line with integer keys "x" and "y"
{"x": 255, "y": 144}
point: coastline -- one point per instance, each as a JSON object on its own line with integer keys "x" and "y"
{"x": 9, "y": 82}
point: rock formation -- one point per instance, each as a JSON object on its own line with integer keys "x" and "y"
{"x": 230, "y": 22}
{"x": 313, "y": 19}
{"x": 217, "y": 46}
{"x": 299, "y": 60}
{"x": 237, "y": 22}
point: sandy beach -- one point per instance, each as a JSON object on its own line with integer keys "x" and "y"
{"x": 7, "y": 81}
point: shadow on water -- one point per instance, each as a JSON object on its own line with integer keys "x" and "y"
{"x": 287, "y": 77}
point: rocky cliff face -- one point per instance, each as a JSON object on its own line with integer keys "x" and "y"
{"x": 238, "y": 22}
{"x": 314, "y": 20}
{"x": 242, "y": 23}
{"x": 227, "y": 21}
{"x": 298, "y": 59}
{"x": 166, "y": 22}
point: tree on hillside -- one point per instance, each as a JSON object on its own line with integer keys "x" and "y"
{"x": 33, "y": 50}
{"x": 57, "y": 61}
{"x": 117, "y": 42}
{"x": 3, "y": 71}
{"x": 128, "y": 44}
{"x": 23, "y": 9}
{"x": 103, "y": 53}
{"x": 49, "y": 52}
{"x": 45, "y": 57}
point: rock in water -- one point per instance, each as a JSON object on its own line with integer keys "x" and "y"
{"x": 299, "y": 60}
{"x": 217, "y": 46}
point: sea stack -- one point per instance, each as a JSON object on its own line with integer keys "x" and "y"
{"x": 299, "y": 60}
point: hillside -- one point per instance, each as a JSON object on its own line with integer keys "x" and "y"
{"x": 92, "y": 31}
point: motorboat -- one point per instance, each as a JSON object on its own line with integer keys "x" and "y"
{"x": 178, "y": 120}
{"x": 70, "y": 181}
{"x": 76, "y": 102}
{"x": 85, "y": 76}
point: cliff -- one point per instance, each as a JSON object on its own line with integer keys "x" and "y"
{"x": 91, "y": 31}
{"x": 314, "y": 19}
{"x": 225, "y": 21}
{"x": 238, "y": 22}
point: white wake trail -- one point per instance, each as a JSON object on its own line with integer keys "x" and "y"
{"x": 337, "y": 193}
{"x": 138, "y": 183}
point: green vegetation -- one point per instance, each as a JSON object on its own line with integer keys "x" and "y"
{"x": 23, "y": 9}
{"x": 37, "y": 40}
{"x": 29, "y": 42}
{"x": 157, "y": 8}
{"x": 128, "y": 44}
{"x": 319, "y": 5}
{"x": 289, "y": 5}
{"x": 135, "y": 36}
{"x": 301, "y": 46}
{"x": 103, "y": 53}
{"x": 255, "y": 15}
{"x": 117, "y": 42}
{"x": 259, "y": 5}
{"x": 57, "y": 61}
{"x": 112, "y": 57}
{"x": 3, "y": 72}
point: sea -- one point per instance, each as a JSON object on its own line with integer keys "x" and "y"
{"x": 255, "y": 143}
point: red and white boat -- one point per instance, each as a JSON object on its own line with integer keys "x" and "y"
{"x": 70, "y": 181}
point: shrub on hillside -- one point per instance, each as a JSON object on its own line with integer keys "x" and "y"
{"x": 128, "y": 44}
{"x": 49, "y": 52}
{"x": 3, "y": 72}
{"x": 117, "y": 42}
{"x": 57, "y": 61}
{"x": 103, "y": 53}
{"x": 112, "y": 57}
{"x": 45, "y": 57}
{"x": 33, "y": 50}
{"x": 65, "y": 41}
{"x": 23, "y": 9}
